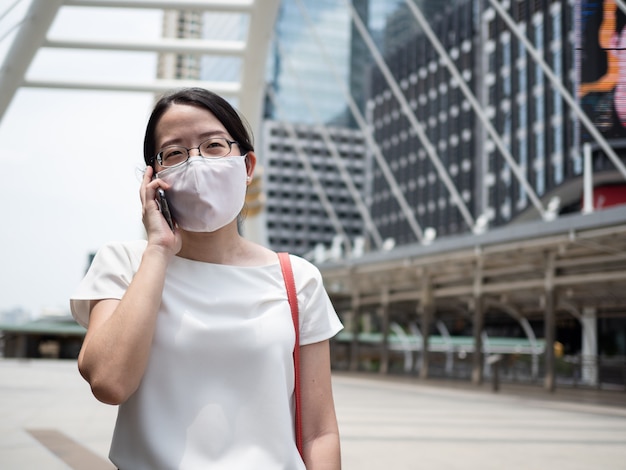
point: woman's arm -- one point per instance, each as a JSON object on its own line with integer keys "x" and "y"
{"x": 115, "y": 351}
{"x": 116, "y": 348}
{"x": 320, "y": 433}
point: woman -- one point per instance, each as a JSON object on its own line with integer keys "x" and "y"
{"x": 190, "y": 332}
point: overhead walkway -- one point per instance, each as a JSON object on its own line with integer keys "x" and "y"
{"x": 32, "y": 35}
{"x": 573, "y": 267}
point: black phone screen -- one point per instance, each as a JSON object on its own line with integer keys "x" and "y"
{"x": 165, "y": 208}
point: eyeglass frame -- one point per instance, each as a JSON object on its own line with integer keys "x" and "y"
{"x": 157, "y": 158}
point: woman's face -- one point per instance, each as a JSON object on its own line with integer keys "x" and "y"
{"x": 188, "y": 126}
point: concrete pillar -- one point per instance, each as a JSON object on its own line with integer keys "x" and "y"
{"x": 477, "y": 330}
{"x": 589, "y": 346}
{"x": 384, "y": 346}
{"x": 356, "y": 321}
{"x": 414, "y": 330}
{"x": 549, "y": 323}
{"x": 550, "y": 336}
{"x": 427, "y": 312}
{"x": 478, "y": 323}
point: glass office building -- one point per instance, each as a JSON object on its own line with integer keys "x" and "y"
{"x": 296, "y": 220}
{"x": 526, "y": 110}
{"x": 313, "y": 38}
{"x": 448, "y": 122}
{"x": 528, "y": 114}
{"x": 299, "y": 66}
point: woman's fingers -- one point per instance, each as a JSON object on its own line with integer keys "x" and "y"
{"x": 152, "y": 218}
{"x": 147, "y": 178}
{"x": 149, "y": 186}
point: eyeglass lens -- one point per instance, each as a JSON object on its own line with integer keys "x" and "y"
{"x": 176, "y": 154}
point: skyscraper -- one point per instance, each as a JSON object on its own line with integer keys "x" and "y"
{"x": 533, "y": 159}
{"x": 317, "y": 56}
{"x": 300, "y": 67}
{"x": 297, "y": 219}
{"x": 448, "y": 123}
{"x": 525, "y": 109}
{"x": 180, "y": 24}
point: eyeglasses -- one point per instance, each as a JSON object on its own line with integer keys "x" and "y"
{"x": 174, "y": 155}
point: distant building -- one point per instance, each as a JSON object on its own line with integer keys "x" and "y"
{"x": 296, "y": 219}
{"x": 527, "y": 111}
{"x": 180, "y": 24}
{"x": 296, "y": 52}
{"x": 448, "y": 121}
{"x": 528, "y": 114}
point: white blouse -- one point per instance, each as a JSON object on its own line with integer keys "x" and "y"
{"x": 217, "y": 392}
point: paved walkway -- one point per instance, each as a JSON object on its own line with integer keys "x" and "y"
{"x": 49, "y": 420}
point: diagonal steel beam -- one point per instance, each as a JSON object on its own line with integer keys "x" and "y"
{"x": 567, "y": 96}
{"x": 213, "y": 5}
{"x": 410, "y": 115}
{"x": 445, "y": 57}
{"x": 365, "y": 128}
{"x": 29, "y": 38}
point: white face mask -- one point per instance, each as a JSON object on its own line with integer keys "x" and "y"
{"x": 206, "y": 193}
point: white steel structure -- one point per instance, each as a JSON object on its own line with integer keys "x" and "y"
{"x": 247, "y": 92}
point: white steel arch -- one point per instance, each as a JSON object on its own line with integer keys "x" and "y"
{"x": 32, "y": 35}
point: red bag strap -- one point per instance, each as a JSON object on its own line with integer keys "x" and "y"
{"x": 285, "y": 266}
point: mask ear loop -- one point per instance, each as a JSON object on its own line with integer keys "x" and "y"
{"x": 247, "y": 162}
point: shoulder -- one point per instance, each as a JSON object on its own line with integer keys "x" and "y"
{"x": 305, "y": 272}
{"x": 108, "y": 276}
{"x": 132, "y": 247}
{"x": 303, "y": 265}
{"x": 121, "y": 252}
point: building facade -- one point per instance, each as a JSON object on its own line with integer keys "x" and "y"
{"x": 447, "y": 119}
{"x": 298, "y": 65}
{"x": 296, "y": 219}
{"x": 180, "y": 24}
{"x": 528, "y": 112}
{"x": 314, "y": 47}
{"x": 529, "y": 115}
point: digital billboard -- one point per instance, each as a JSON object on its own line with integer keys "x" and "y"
{"x": 602, "y": 67}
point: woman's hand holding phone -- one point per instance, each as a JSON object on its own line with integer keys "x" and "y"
{"x": 160, "y": 231}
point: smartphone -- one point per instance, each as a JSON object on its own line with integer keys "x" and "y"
{"x": 165, "y": 208}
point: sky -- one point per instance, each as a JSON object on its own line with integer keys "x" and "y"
{"x": 69, "y": 159}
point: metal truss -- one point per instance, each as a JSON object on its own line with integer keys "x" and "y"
{"x": 247, "y": 91}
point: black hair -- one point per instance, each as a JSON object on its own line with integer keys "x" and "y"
{"x": 234, "y": 123}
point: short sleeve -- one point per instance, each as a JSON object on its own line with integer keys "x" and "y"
{"x": 108, "y": 277}
{"x": 318, "y": 319}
